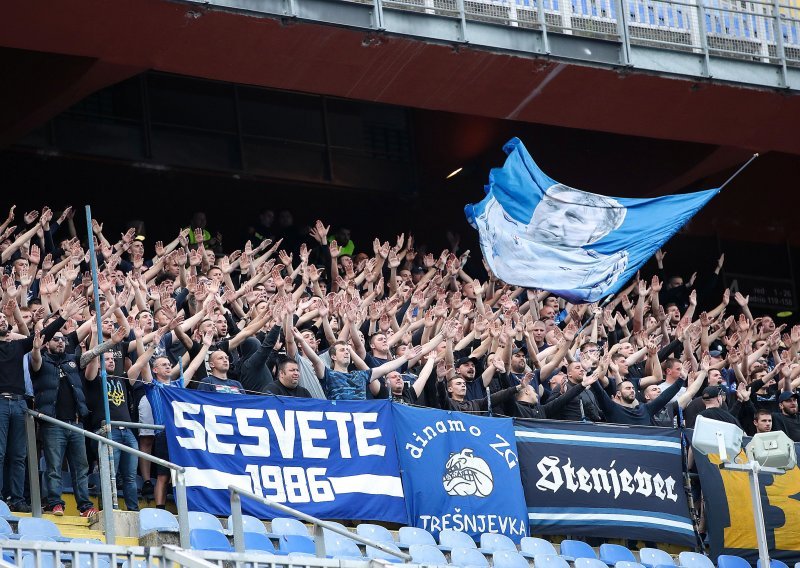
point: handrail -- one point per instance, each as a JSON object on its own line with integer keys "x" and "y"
{"x": 178, "y": 473}
{"x": 137, "y": 425}
{"x": 319, "y": 524}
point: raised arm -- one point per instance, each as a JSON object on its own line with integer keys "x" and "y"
{"x": 319, "y": 366}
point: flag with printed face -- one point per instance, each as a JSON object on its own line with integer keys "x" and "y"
{"x": 539, "y": 233}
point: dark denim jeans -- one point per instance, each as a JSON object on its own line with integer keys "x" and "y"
{"x": 126, "y": 465}
{"x": 13, "y": 448}
{"x": 57, "y": 443}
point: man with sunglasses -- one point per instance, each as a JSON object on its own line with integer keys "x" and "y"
{"x": 58, "y": 392}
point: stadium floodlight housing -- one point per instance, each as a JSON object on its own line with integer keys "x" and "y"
{"x": 766, "y": 453}
{"x": 772, "y": 449}
{"x": 715, "y": 437}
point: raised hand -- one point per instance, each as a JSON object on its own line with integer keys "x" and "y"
{"x": 334, "y": 249}
{"x": 30, "y": 217}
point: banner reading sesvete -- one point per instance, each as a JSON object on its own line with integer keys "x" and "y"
{"x": 606, "y": 481}
{"x": 334, "y": 460}
{"x": 729, "y": 510}
{"x": 460, "y": 472}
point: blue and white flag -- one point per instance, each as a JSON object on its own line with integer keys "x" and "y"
{"x": 602, "y": 480}
{"x": 335, "y": 460}
{"x": 460, "y": 472}
{"x": 539, "y": 233}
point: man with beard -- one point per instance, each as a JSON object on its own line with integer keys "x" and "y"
{"x": 12, "y": 398}
{"x": 625, "y": 409}
{"x": 527, "y": 403}
{"x": 787, "y": 419}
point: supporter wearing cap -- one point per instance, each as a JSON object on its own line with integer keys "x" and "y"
{"x": 467, "y": 369}
{"x": 716, "y": 409}
{"x": 787, "y": 419}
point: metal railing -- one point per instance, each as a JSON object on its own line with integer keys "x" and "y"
{"x": 93, "y": 555}
{"x": 106, "y": 492}
{"x": 319, "y": 525}
{"x": 765, "y": 31}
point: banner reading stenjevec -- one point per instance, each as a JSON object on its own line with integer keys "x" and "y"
{"x": 460, "y": 472}
{"x": 334, "y": 460}
{"x": 602, "y": 480}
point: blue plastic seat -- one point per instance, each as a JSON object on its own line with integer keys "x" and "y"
{"x": 256, "y": 541}
{"x": 413, "y": 535}
{"x": 572, "y": 549}
{"x": 375, "y": 532}
{"x": 288, "y": 526}
{"x": 426, "y": 554}
{"x": 48, "y": 560}
{"x": 449, "y": 539}
{"x": 773, "y": 563}
{"x": 491, "y": 542}
{"x": 549, "y": 561}
{"x": 694, "y": 560}
{"x": 249, "y": 524}
{"x": 373, "y": 552}
{"x": 462, "y": 556}
{"x": 729, "y": 561}
{"x": 85, "y": 559}
{"x": 5, "y": 512}
{"x": 341, "y": 547}
{"x": 589, "y": 563}
{"x": 532, "y": 546}
{"x": 136, "y": 564}
{"x": 209, "y": 539}
{"x": 651, "y": 557}
{"x": 31, "y": 528}
{"x": 509, "y": 559}
{"x": 613, "y": 553}
{"x": 152, "y": 520}
{"x": 627, "y": 564}
{"x": 201, "y": 520}
{"x": 297, "y": 543}
{"x": 5, "y": 529}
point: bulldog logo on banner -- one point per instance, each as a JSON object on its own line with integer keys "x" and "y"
{"x": 460, "y": 472}
{"x": 467, "y": 475}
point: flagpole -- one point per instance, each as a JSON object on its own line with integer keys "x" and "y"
{"x": 747, "y": 163}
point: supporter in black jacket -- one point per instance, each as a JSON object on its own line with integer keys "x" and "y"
{"x": 527, "y": 405}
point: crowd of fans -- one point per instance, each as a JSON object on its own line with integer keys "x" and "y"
{"x": 318, "y": 316}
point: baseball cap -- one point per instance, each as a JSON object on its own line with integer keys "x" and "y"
{"x": 712, "y": 392}
{"x": 464, "y": 360}
{"x": 715, "y": 353}
{"x": 786, "y": 395}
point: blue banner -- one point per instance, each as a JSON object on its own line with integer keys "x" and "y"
{"x": 729, "y": 510}
{"x": 460, "y": 472}
{"x": 334, "y": 460}
{"x": 539, "y": 233}
{"x": 606, "y": 481}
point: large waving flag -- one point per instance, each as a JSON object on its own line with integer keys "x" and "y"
{"x": 539, "y": 233}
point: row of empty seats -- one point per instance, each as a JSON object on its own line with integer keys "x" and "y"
{"x": 290, "y": 536}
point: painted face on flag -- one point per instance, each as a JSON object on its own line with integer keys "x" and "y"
{"x": 568, "y": 218}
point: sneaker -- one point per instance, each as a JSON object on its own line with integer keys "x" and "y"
{"x": 90, "y": 512}
{"x": 57, "y": 510}
{"x": 19, "y": 507}
{"x": 147, "y": 488}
